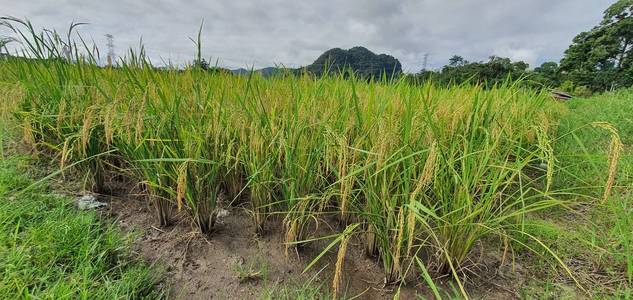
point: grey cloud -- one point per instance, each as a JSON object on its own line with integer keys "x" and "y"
{"x": 243, "y": 33}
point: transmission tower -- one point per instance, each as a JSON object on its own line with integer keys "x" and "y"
{"x": 426, "y": 60}
{"x": 110, "y": 49}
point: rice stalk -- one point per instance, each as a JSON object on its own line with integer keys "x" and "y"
{"x": 337, "y": 282}
{"x": 615, "y": 149}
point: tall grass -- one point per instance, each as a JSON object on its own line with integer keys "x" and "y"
{"x": 426, "y": 172}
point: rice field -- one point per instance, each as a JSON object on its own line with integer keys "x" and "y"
{"x": 417, "y": 175}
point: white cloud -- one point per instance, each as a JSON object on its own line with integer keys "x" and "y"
{"x": 529, "y": 56}
{"x": 294, "y": 33}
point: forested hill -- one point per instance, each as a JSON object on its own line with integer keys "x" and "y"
{"x": 364, "y": 62}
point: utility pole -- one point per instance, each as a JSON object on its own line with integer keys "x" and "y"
{"x": 110, "y": 44}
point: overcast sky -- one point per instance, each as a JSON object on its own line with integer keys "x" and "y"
{"x": 293, "y": 33}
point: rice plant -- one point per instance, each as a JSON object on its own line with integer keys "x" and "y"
{"x": 420, "y": 173}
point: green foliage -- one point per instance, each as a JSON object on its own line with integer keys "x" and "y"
{"x": 201, "y": 64}
{"x": 567, "y": 86}
{"x": 600, "y": 237}
{"x": 620, "y": 235}
{"x": 495, "y": 71}
{"x": 582, "y": 92}
{"x": 584, "y": 151}
{"x": 547, "y": 74}
{"x": 49, "y": 250}
{"x": 310, "y": 290}
{"x": 602, "y": 59}
{"x": 363, "y": 62}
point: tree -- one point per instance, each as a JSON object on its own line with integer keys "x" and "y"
{"x": 602, "y": 58}
{"x": 547, "y": 74}
{"x": 456, "y": 61}
{"x": 201, "y": 64}
{"x": 495, "y": 70}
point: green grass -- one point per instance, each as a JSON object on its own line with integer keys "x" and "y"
{"x": 598, "y": 235}
{"x": 296, "y": 291}
{"x": 582, "y": 149}
{"x": 50, "y": 250}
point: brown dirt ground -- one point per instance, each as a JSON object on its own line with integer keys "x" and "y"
{"x": 206, "y": 267}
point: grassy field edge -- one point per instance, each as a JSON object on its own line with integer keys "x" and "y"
{"x": 51, "y": 250}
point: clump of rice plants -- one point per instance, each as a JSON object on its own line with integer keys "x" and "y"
{"x": 421, "y": 174}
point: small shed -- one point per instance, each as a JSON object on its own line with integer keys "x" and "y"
{"x": 560, "y": 96}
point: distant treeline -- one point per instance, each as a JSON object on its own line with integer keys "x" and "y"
{"x": 489, "y": 73}
{"x": 598, "y": 60}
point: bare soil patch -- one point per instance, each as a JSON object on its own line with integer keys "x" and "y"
{"x": 233, "y": 263}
